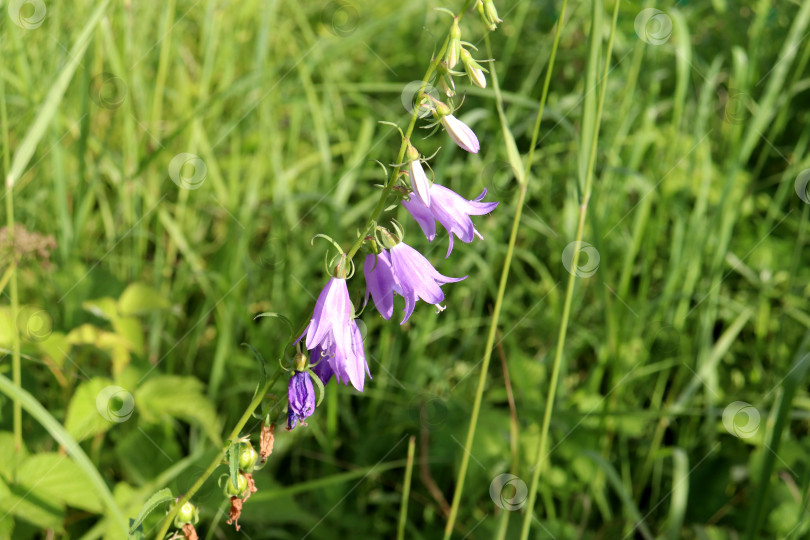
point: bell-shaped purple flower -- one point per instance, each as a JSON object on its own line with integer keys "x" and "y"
{"x": 403, "y": 271}
{"x": 320, "y": 365}
{"x": 301, "y": 399}
{"x": 451, "y": 210}
{"x": 334, "y": 333}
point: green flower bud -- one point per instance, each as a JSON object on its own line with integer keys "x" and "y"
{"x": 454, "y": 47}
{"x": 489, "y": 14}
{"x": 247, "y": 458}
{"x": 474, "y": 70}
{"x": 441, "y": 109}
{"x": 187, "y": 513}
{"x": 239, "y": 491}
{"x": 413, "y": 153}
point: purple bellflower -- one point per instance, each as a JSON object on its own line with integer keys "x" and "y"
{"x": 451, "y": 210}
{"x": 404, "y": 271}
{"x": 335, "y": 335}
{"x": 301, "y": 399}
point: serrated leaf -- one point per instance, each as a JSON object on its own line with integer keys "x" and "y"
{"x": 177, "y": 397}
{"x": 84, "y": 419}
{"x": 54, "y": 477}
{"x": 149, "y": 506}
{"x": 140, "y": 298}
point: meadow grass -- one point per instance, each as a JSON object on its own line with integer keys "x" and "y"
{"x": 650, "y": 384}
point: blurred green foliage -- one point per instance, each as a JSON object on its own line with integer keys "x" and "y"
{"x": 698, "y": 300}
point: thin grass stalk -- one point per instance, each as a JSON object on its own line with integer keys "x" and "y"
{"x": 496, "y": 312}
{"x": 540, "y": 459}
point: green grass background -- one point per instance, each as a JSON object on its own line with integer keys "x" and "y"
{"x": 698, "y": 301}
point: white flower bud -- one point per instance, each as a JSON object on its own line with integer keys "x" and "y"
{"x": 461, "y": 134}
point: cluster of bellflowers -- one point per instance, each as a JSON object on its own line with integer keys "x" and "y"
{"x": 332, "y": 338}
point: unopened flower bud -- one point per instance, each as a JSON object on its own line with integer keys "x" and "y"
{"x": 489, "y": 14}
{"x": 454, "y": 47}
{"x": 445, "y": 81}
{"x": 419, "y": 180}
{"x": 247, "y": 458}
{"x": 461, "y": 133}
{"x": 239, "y": 490}
{"x": 441, "y": 109}
{"x": 474, "y": 71}
{"x": 186, "y": 514}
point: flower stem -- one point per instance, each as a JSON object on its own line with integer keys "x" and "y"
{"x": 217, "y": 461}
{"x": 392, "y": 179}
{"x": 496, "y": 312}
{"x": 541, "y": 457}
{"x": 12, "y": 258}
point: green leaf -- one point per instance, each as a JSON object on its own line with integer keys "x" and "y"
{"x": 9, "y": 459}
{"x": 96, "y": 406}
{"x": 177, "y": 397}
{"x": 162, "y": 496}
{"x": 61, "y": 435}
{"x": 15, "y": 501}
{"x": 57, "y": 478}
{"x": 140, "y": 298}
{"x": 233, "y": 461}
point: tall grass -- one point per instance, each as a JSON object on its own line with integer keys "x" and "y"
{"x": 623, "y": 398}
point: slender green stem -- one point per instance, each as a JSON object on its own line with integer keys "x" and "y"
{"x": 217, "y": 461}
{"x": 392, "y": 179}
{"x": 496, "y": 312}
{"x": 12, "y": 257}
{"x": 540, "y": 459}
{"x": 406, "y": 489}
